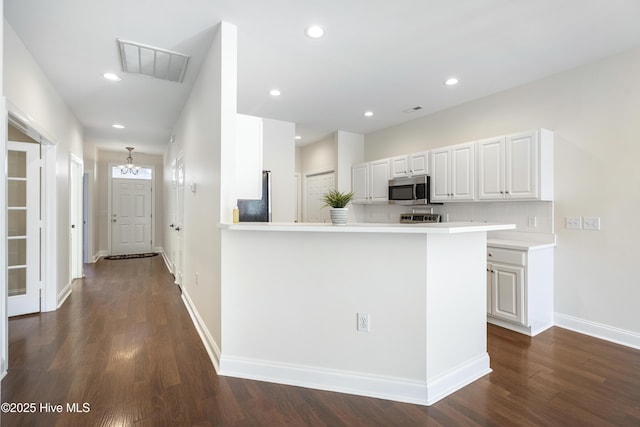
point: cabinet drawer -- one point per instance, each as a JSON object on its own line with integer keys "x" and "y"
{"x": 507, "y": 256}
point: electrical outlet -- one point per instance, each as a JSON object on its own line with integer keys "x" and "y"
{"x": 197, "y": 278}
{"x": 363, "y": 322}
{"x": 574, "y": 223}
{"x": 533, "y": 221}
{"x": 591, "y": 223}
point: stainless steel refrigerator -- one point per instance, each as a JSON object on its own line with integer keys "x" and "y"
{"x": 257, "y": 210}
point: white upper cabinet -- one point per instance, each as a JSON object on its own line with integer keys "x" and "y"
{"x": 399, "y": 166}
{"x": 419, "y": 163}
{"x": 370, "y": 181}
{"x": 453, "y": 173}
{"x": 516, "y": 167}
{"x": 413, "y": 164}
{"x": 360, "y": 182}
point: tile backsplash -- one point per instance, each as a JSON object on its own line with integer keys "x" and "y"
{"x": 529, "y": 217}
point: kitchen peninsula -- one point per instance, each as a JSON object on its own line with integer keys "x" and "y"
{"x": 292, "y": 294}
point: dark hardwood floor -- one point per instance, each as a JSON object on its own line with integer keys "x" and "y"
{"x": 124, "y": 344}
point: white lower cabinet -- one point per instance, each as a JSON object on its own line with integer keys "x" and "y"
{"x": 520, "y": 288}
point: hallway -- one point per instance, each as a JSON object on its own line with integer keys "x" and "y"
{"x": 123, "y": 348}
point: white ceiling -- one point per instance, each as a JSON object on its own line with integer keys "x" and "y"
{"x": 378, "y": 55}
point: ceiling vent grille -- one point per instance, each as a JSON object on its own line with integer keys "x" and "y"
{"x": 413, "y": 109}
{"x": 151, "y": 61}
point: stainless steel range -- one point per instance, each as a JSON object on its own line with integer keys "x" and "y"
{"x": 419, "y": 218}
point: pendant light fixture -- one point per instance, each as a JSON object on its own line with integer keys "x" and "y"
{"x": 129, "y": 167}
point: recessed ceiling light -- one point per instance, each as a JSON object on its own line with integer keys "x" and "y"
{"x": 274, "y": 92}
{"x": 117, "y": 126}
{"x": 314, "y": 31}
{"x": 297, "y": 137}
{"x": 368, "y": 114}
{"x": 111, "y": 76}
{"x": 451, "y": 81}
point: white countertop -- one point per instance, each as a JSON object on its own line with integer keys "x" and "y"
{"x": 434, "y": 228}
{"x": 519, "y": 244}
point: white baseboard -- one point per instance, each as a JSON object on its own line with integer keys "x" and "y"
{"x": 389, "y": 388}
{"x": 598, "y": 330}
{"x": 64, "y": 294}
{"x": 165, "y": 258}
{"x": 209, "y": 343}
{"x": 100, "y": 254}
{"x": 532, "y": 331}
{"x": 458, "y": 377}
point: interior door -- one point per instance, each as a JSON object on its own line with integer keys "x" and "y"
{"x": 317, "y": 186}
{"x": 130, "y": 216}
{"x": 179, "y": 220}
{"x": 75, "y": 216}
{"x": 23, "y": 227}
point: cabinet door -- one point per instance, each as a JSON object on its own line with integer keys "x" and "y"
{"x": 463, "y": 172}
{"x": 521, "y": 166}
{"x": 399, "y": 167}
{"x": 379, "y": 180}
{"x": 360, "y": 182}
{"x": 491, "y": 169}
{"x": 419, "y": 163}
{"x": 507, "y": 293}
{"x": 440, "y": 187}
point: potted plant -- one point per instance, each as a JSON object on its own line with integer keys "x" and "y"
{"x": 338, "y": 202}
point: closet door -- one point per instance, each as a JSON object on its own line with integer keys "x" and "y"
{"x": 23, "y": 226}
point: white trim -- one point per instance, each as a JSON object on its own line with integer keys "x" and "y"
{"x": 49, "y": 257}
{"x": 4, "y": 320}
{"x": 598, "y": 330}
{"x": 209, "y": 343}
{"x": 165, "y": 258}
{"x": 389, "y": 388}
{"x": 532, "y": 331}
{"x": 64, "y": 294}
{"x": 457, "y": 378}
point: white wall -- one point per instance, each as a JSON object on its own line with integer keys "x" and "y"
{"x": 593, "y": 111}
{"x": 319, "y": 156}
{"x": 205, "y": 134}
{"x": 26, "y": 87}
{"x": 279, "y": 158}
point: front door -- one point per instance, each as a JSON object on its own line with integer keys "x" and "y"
{"x": 23, "y": 226}
{"x": 130, "y": 216}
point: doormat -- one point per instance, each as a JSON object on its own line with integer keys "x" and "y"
{"x": 131, "y": 256}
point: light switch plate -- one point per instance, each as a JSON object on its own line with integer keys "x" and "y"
{"x": 574, "y": 223}
{"x": 591, "y": 223}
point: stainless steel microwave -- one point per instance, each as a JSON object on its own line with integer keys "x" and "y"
{"x": 414, "y": 190}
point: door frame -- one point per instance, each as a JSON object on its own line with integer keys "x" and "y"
{"x": 110, "y": 207}
{"x": 48, "y": 217}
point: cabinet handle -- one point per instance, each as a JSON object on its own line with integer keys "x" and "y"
{"x": 490, "y": 254}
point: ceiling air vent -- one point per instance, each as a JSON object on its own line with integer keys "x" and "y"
{"x": 151, "y": 61}
{"x": 413, "y": 109}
